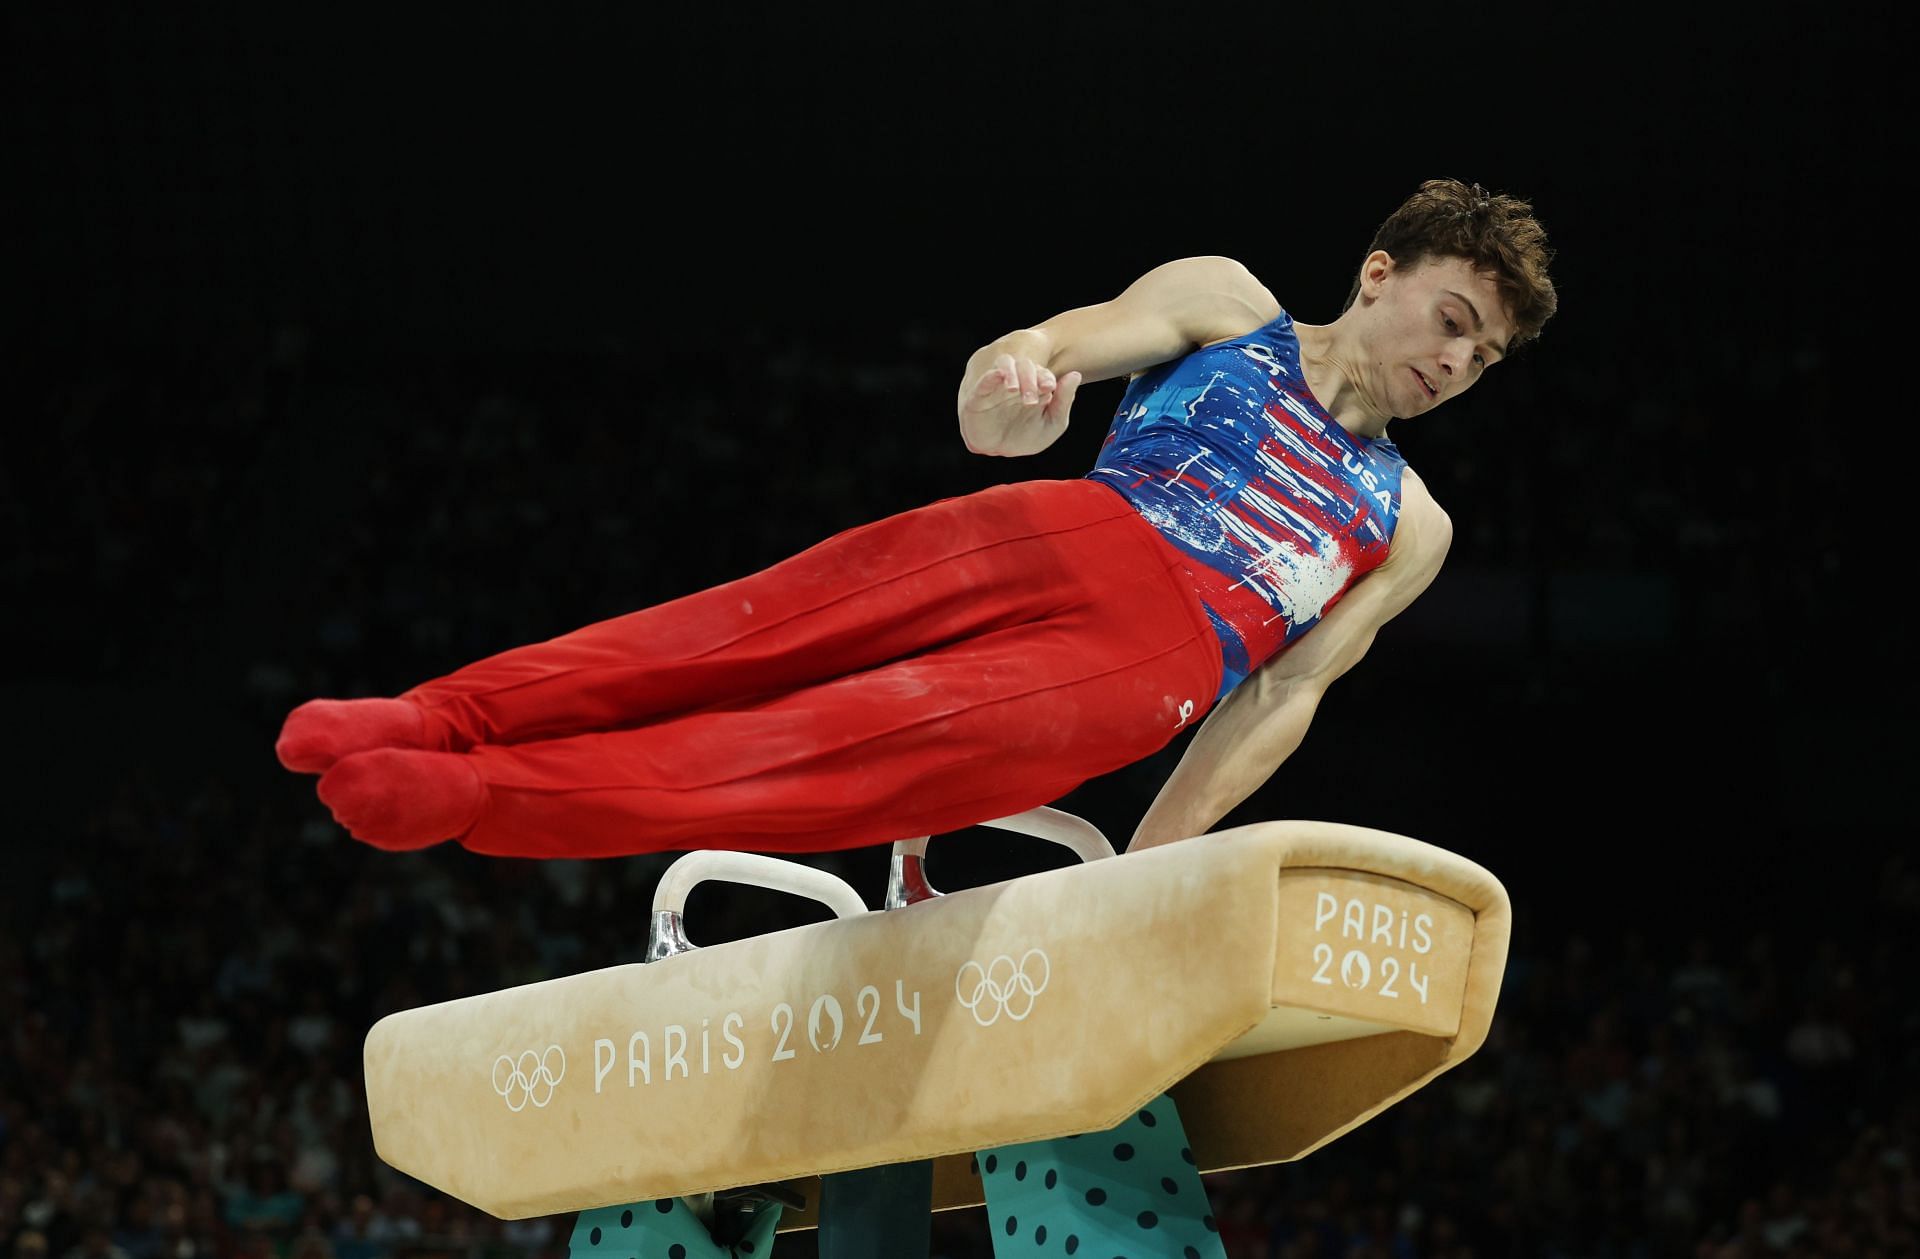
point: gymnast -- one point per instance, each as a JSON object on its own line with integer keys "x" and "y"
{"x": 1248, "y": 528}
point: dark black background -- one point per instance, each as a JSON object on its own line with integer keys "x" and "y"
{"x": 345, "y": 349}
{"x": 278, "y": 278}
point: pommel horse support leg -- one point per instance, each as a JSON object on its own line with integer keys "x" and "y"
{"x": 1280, "y": 983}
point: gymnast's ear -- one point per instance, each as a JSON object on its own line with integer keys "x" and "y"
{"x": 1374, "y": 273}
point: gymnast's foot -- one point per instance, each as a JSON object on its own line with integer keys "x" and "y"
{"x": 321, "y": 731}
{"x": 400, "y": 798}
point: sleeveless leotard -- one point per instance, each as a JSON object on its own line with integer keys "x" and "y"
{"x": 1229, "y": 455}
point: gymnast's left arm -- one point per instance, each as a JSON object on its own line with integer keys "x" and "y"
{"x": 1262, "y": 722}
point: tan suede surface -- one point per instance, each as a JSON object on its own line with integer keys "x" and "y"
{"x": 1047, "y": 1005}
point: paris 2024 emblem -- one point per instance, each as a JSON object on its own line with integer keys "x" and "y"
{"x": 1003, "y": 986}
{"x": 530, "y": 1077}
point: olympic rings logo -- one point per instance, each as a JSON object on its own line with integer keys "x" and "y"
{"x": 999, "y": 995}
{"x": 527, "y": 1075}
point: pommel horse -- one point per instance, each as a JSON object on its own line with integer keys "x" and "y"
{"x": 1273, "y": 986}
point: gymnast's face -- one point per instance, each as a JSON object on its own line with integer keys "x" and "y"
{"x": 1433, "y": 330}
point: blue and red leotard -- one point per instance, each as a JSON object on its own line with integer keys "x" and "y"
{"x": 1228, "y": 454}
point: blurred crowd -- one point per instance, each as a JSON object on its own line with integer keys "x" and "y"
{"x": 182, "y": 1006}
{"x": 338, "y": 362}
{"x": 189, "y": 960}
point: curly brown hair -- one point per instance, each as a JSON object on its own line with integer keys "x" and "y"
{"x": 1497, "y": 234}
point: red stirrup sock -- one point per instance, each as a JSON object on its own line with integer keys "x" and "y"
{"x": 398, "y": 798}
{"x": 321, "y": 731}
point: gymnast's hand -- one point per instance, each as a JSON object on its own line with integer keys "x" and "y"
{"x": 1020, "y": 402}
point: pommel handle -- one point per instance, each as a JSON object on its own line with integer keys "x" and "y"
{"x": 908, "y": 883}
{"x": 668, "y": 935}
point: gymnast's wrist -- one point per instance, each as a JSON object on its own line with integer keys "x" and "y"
{"x": 1025, "y": 343}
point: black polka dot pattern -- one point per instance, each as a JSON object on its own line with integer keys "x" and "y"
{"x": 669, "y": 1231}
{"x": 1133, "y": 1195}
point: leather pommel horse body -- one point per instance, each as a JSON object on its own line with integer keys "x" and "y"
{"x": 1285, "y": 982}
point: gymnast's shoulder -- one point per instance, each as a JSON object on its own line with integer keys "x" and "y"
{"x": 1224, "y": 297}
{"x": 1422, "y": 530}
{"x": 1171, "y": 311}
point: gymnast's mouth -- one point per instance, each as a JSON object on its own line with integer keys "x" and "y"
{"x": 1431, "y": 391}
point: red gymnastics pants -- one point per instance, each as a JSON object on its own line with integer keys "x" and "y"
{"x": 955, "y": 663}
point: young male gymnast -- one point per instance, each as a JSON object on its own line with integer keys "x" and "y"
{"x": 1248, "y": 528}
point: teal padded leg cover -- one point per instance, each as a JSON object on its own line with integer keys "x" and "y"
{"x": 1129, "y": 1193}
{"x": 667, "y": 1229}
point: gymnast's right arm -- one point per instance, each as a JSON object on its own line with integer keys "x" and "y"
{"x": 1016, "y": 392}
